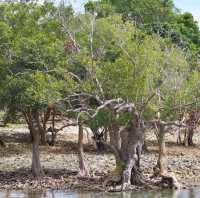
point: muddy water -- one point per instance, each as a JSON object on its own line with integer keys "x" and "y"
{"x": 195, "y": 193}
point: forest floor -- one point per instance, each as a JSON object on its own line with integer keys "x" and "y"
{"x": 60, "y": 162}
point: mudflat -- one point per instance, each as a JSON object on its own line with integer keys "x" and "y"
{"x": 60, "y": 162}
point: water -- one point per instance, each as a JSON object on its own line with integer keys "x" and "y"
{"x": 195, "y": 193}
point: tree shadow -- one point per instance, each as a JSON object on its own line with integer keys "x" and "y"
{"x": 18, "y": 137}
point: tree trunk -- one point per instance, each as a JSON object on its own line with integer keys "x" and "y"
{"x": 131, "y": 157}
{"x": 179, "y": 141}
{"x": 132, "y": 139}
{"x": 43, "y": 136}
{"x": 162, "y": 159}
{"x": 127, "y": 172}
{"x": 82, "y": 167}
{"x": 126, "y": 143}
{"x": 43, "y": 130}
{"x": 115, "y": 138}
{"x": 106, "y": 134}
{"x": 145, "y": 146}
{"x": 31, "y": 134}
{"x": 54, "y": 131}
{"x": 190, "y": 136}
{"x": 186, "y": 133}
{"x": 2, "y": 143}
{"x": 36, "y": 166}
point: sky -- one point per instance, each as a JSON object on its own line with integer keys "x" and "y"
{"x": 192, "y": 6}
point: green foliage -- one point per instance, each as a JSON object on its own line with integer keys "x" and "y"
{"x": 156, "y": 17}
{"x": 33, "y": 57}
{"x": 106, "y": 117}
{"x": 101, "y": 8}
{"x": 103, "y": 119}
{"x": 129, "y": 64}
{"x": 117, "y": 58}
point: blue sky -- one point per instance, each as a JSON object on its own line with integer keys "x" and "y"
{"x": 192, "y": 6}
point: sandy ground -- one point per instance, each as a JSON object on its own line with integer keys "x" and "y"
{"x": 60, "y": 162}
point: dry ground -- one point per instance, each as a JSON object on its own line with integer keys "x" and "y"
{"x": 60, "y": 162}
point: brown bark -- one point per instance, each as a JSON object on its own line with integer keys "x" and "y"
{"x": 47, "y": 115}
{"x": 43, "y": 136}
{"x": 43, "y": 130}
{"x": 132, "y": 153}
{"x": 190, "y": 136}
{"x": 115, "y": 138}
{"x": 179, "y": 140}
{"x": 191, "y": 122}
{"x": 82, "y": 167}
{"x": 162, "y": 159}
{"x": 128, "y": 157}
{"x": 36, "y": 166}
{"x": 28, "y": 119}
{"x": 106, "y": 135}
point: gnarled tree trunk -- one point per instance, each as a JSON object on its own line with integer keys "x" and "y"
{"x": 128, "y": 155}
{"x": 114, "y": 134}
{"x": 132, "y": 143}
{"x": 82, "y": 167}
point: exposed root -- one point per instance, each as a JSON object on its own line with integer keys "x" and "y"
{"x": 137, "y": 178}
{"x": 112, "y": 180}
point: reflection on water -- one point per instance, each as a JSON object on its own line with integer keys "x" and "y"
{"x": 195, "y": 193}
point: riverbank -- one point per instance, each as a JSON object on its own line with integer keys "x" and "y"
{"x": 60, "y": 163}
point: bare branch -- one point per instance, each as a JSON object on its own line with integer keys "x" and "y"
{"x": 67, "y": 125}
{"x": 83, "y": 94}
{"x": 108, "y": 103}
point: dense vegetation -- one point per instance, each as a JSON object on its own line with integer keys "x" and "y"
{"x": 122, "y": 66}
